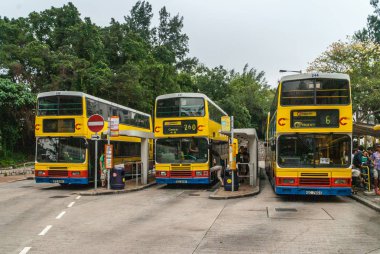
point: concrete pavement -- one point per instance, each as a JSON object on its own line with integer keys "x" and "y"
{"x": 181, "y": 220}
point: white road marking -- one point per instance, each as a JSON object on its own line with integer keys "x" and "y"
{"x": 25, "y": 250}
{"x": 60, "y": 215}
{"x": 71, "y": 204}
{"x": 43, "y": 232}
{"x": 78, "y": 197}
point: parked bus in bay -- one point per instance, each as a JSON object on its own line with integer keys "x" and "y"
{"x": 188, "y": 139}
{"x": 65, "y": 153}
{"x": 309, "y": 135}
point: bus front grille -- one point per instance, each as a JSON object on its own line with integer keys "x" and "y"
{"x": 315, "y": 181}
{"x": 181, "y": 168}
{"x": 58, "y": 173}
{"x": 180, "y": 174}
{"x": 315, "y": 174}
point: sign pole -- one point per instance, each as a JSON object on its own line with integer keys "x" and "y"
{"x": 231, "y": 153}
{"x": 96, "y": 163}
{"x": 95, "y": 124}
{"x": 109, "y": 142}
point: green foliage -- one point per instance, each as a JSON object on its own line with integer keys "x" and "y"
{"x": 129, "y": 62}
{"x": 16, "y": 102}
{"x": 372, "y": 31}
{"x": 361, "y": 60}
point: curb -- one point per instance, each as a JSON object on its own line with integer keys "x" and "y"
{"x": 23, "y": 179}
{"x": 213, "y": 196}
{"x": 110, "y": 192}
{"x": 365, "y": 202}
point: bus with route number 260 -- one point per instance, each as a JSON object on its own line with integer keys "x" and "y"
{"x": 188, "y": 139}
{"x": 309, "y": 135}
{"x": 65, "y": 153}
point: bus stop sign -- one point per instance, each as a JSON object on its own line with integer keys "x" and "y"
{"x": 95, "y": 123}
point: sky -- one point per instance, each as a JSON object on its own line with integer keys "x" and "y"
{"x": 268, "y": 35}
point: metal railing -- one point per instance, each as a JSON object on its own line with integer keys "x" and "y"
{"x": 136, "y": 168}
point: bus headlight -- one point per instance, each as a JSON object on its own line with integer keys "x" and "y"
{"x": 340, "y": 181}
{"x": 288, "y": 180}
{"x": 41, "y": 172}
{"x": 75, "y": 173}
{"x": 198, "y": 173}
{"x": 163, "y": 173}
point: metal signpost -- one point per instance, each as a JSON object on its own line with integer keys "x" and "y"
{"x": 113, "y": 131}
{"x": 95, "y": 124}
{"x": 228, "y": 126}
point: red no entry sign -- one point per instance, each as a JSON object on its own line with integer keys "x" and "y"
{"x": 95, "y": 123}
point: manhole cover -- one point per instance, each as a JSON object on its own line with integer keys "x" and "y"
{"x": 286, "y": 210}
{"x": 59, "y": 196}
{"x": 194, "y": 194}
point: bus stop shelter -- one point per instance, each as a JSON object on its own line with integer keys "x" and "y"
{"x": 250, "y": 136}
{"x": 144, "y": 136}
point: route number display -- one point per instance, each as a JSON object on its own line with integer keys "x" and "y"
{"x": 322, "y": 118}
{"x": 180, "y": 127}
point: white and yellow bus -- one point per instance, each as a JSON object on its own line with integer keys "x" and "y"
{"x": 309, "y": 135}
{"x": 188, "y": 140}
{"x": 64, "y": 149}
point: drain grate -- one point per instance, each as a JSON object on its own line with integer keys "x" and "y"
{"x": 59, "y": 196}
{"x": 286, "y": 210}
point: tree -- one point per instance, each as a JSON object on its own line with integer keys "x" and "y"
{"x": 15, "y": 103}
{"x": 361, "y": 60}
{"x": 372, "y": 31}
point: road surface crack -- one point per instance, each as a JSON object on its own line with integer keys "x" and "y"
{"x": 208, "y": 230}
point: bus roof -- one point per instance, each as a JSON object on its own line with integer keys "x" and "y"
{"x": 190, "y": 95}
{"x": 315, "y": 75}
{"x": 72, "y": 93}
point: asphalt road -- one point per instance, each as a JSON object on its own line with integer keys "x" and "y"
{"x": 178, "y": 220}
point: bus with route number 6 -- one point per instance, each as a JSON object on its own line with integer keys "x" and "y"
{"x": 309, "y": 135}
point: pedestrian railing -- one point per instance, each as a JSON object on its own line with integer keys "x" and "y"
{"x": 136, "y": 168}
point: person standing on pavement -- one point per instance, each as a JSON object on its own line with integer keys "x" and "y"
{"x": 376, "y": 169}
{"x": 103, "y": 170}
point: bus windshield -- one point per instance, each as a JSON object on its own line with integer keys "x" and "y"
{"x": 177, "y": 107}
{"x": 314, "y": 150}
{"x": 61, "y": 105}
{"x": 182, "y": 150}
{"x": 62, "y": 149}
{"x": 315, "y": 92}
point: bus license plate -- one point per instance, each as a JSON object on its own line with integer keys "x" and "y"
{"x": 58, "y": 181}
{"x": 313, "y": 192}
{"x": 181, "y": 181}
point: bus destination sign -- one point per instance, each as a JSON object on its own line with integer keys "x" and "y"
{"x": 180, "y": 127}
{"x": 320, "y": 118}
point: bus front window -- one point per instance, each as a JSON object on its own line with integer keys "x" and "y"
{"x": 314, "y": 150}
{"x": 315, "y": 92}
{"x": 60, "y": 150}
{"x": 182, "y": 150}
{"x": 61, "y": 105}
{"x": 177, "y": 107}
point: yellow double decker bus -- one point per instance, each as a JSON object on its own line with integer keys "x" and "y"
{"x": 65, "y": 153}
{"x": 188, "y": 140}
{"x": 309, "y": 135}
